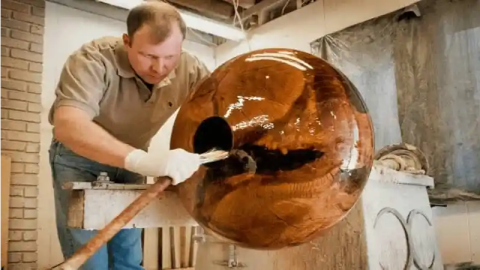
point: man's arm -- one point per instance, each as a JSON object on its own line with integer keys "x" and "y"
{"x": 75, "y": 129}
{"x": 81, "y": 87}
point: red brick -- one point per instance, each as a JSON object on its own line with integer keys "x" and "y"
{"x": 16, "y": 6}
{"x": 26, "y": 76}
{"x": 37, "y": 29}
{"x": 33, "y": 127}
{"x": 36, "y": 48}
{"x": 23, "y": 266}
{"x": 22, "y": 67}
{"x": 22, "y": 137}
{"x": 29, "y": 257}
{"x": 26, "y": 55}
{"x": 14, "y": 257}
{"x": 15, "y": 43}
{"x": 16, "y": 202}
{"x": 22, "y": 157}
{"x": 25, "y": 116}
{"x": 15, "y": 235}
{"x": 4, "y": 115}
{"x": 16, "y": 34}
{"x": 5, "y": 72}
{"x": 34, "y": 88}
{"x": 14, "y": 63}
{"x": 17, "y": 167}
{"x": 14, "y": 85}
{"x": 5, "y": 32}
{"x": 33, "y": 147}
{"x": 15, "y": 213}
{"x": 14, "y": 104}
{"x": 31, "y": 192}
{"x": 5, "y": 51}
{"x": 38, "y": 11}
{"x": 31, "y": 168}
{"x": 35, "y": 67}
{"x": 28, "y": 18}
{"x": 30, "y": 235}
{"x": 14, "y": 125}
{"x": 30, "y": 214}
{"x": 34, "y": 107}
{"x": 30, "y": 202}
{"x": 6, "y": 13}
{"x": 22, "y": 246}
{"x": 25, "y": 179}
{"x": 22, "y": 202}
{"x": 35, "y": 98}
{"x": 36, "y": 3}
{"x": 16, "y": 191}
{"x": 14, "y": 24}
{"x": 13, "y": 145}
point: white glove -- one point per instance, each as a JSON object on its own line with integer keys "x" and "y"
{"x": 178, "y": 164}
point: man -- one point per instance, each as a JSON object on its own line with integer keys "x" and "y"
{"x": 113, "y": 96}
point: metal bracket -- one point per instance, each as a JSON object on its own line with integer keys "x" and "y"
{"x": 102, "y": 180}
{"x": 232, "y": 259}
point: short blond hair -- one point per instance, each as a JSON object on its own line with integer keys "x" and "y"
{"x": 159, "y": 15}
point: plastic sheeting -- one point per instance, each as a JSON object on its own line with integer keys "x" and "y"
{"x": 420, "y": 77}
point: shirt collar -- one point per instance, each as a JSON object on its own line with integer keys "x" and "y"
{"x": 125, "y": 70}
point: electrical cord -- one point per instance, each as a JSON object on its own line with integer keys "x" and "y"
{"x": 239, "y": 18}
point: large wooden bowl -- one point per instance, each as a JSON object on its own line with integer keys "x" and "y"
{"x": 301, "y": 143}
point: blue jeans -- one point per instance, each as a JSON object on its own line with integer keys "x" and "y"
{"x": 124, "y": 250}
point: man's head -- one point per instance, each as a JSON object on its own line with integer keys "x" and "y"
{"x": 155, "y": 33}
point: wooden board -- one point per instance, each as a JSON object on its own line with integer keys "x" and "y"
{"x": 93, "y": 207}
{"x": 177, "y": 248}
{"x": 6, "y": 170}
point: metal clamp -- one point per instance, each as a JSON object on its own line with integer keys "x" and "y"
{"x": 102, "y": 180}
{"x": 232, "y": 261}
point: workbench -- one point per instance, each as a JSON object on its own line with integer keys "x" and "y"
{"x": 93, "y": 205}
{"x": 390, "y": 227}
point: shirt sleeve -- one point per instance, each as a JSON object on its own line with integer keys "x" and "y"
{"x": 198, "y": 72}
{"x": 82, "y": 82}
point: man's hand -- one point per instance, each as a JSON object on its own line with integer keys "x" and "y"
{"x": 178, "y": 164}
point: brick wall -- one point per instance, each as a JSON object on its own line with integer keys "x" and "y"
{"x": 22, "y": 48}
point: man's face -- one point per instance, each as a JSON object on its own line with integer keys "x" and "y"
{"x": 153, "y": 62}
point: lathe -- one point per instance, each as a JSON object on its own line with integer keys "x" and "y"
{"x": 301, "y": 187}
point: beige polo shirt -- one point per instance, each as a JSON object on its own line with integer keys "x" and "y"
{"x": 98, "y": 79}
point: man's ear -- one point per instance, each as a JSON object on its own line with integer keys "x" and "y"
{"x": 126, "y": 40}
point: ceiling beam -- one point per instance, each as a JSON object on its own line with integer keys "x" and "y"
{"x": 211, "y": 8}
{"x": 120, "y": 14}
{"x": 262, "y": 7}
{"x": 242, "y": 3}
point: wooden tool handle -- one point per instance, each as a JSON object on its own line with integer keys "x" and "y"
{"x": 112, "y": 228}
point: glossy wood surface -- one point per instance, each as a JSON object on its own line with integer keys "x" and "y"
{"x": 301, "y": 142}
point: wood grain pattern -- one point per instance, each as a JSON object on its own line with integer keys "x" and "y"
{"x": 301, "y": 141}
{"x": 112, "y": 228}
{"x": 344, "y": 247}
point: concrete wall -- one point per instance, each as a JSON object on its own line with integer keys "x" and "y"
{"x": 457, "y": 232}
{"x": 297, "y": 29}
{"x": 457, "y": 225}
{"x": 22, "y": 48}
